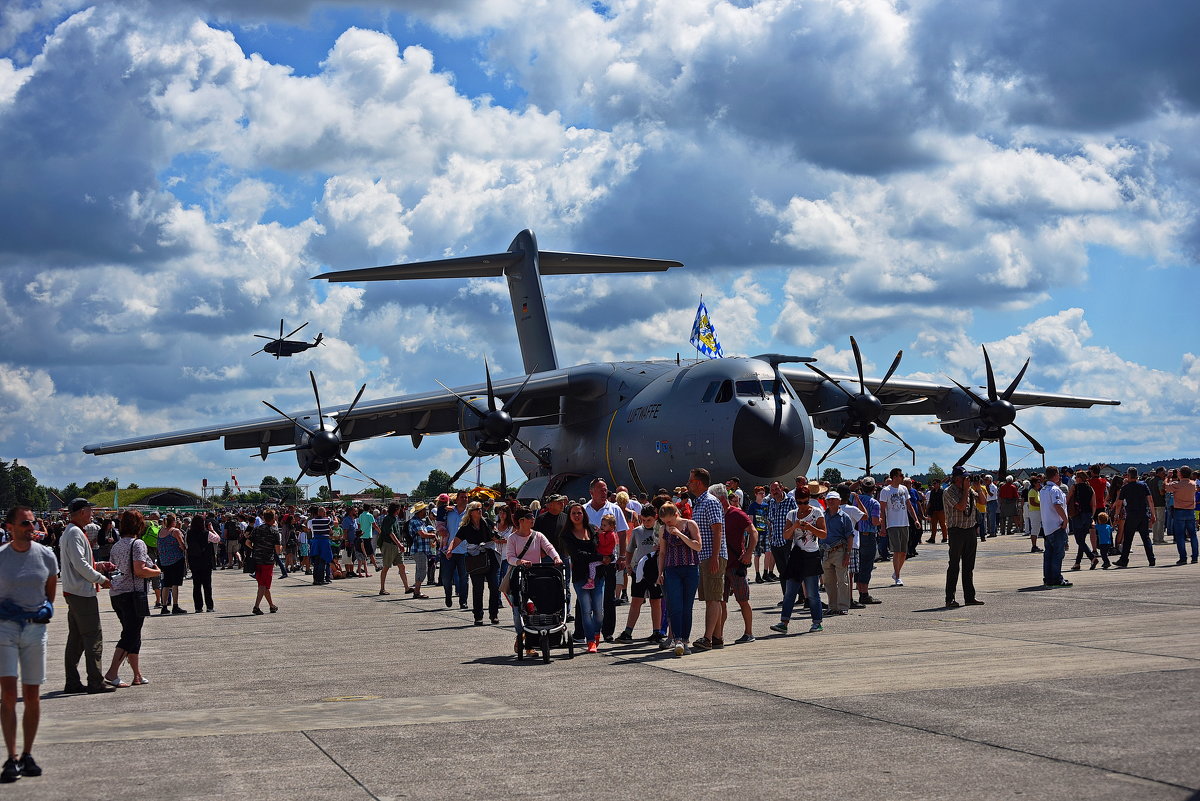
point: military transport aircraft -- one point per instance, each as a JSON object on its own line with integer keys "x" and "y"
{"x": 283, "y": 346}
{"x": 644, "y": 423}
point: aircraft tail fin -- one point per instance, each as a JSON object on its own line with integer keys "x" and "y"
{"x": 523, "y": 265}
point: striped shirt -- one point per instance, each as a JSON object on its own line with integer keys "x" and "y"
{"x": 777, "y": 512}
{"x": 707, "y": 512}
{"x": 319, "y": 526}
{"x": 675, "y": 553}
{"x": 954, "y": 517}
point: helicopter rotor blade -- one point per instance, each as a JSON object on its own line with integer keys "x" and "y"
{"x": 281, "y": 329}
{"x": 264, "y": 336}
{"x": 289, "y": 336}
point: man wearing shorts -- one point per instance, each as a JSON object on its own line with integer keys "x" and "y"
{"x": 898, "y": 509}
{"x": 392, "y": 548}
{"x": 740, "y": 538}
{"x": 641, "y": 544}
{"x": 709, "y": 516}
{"x": 424, "y": 538}
{"x": 28, "y": 582}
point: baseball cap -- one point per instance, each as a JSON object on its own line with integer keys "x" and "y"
{"x": 832, "y": 496}
{"x": 868, "y": 482}
{"x": 958, "y": 470}
{"x": 556, "y": 499}
{"x": 79, "y": 503}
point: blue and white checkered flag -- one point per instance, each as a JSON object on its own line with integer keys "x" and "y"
{"x": 704, "y": 336}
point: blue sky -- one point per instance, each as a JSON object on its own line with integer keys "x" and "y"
{"x": 924, "y": 176}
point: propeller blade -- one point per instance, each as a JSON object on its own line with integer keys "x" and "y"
{"x": 328, "y": 478}
{"x": 1003, "y": 457}
{"x": 862, "y": 382}
{"x": 544, "y": 419}
{"x": 829, "y": 378}
{"x": 1037, "y": 446}
{"x": 503, "y": 479}
{"x": 528, "y": 447}
{"x": 513, "y": 398}
{"x": 834, "y": 410}
{"x": 952, "y": 422}
{"x": 298, "y": 424}
{"x": 460, "y": 397}
{"x": 892, "y": 431}
{"x": 1013, "y": 386}
{"x": 351, "y": 465}
{"x": 991, "y": 376}
{"x": 891, "y": 370}
{"x": 970, "y": 452}
{"x": 282, "y": 450}
{"x": 904, "y": 403}
{"x": 970, "y": 392}
{"x": 841, "y": 436}
{"x": 491, "y": 392}
{"x": 289, "y": 336}
{"x": 466, "y": 466}
{"x": 346, "y": 413}
{"x": 297, "y": 481}
{"x": 866, "y": 438}
{"x": 317, "y": 395}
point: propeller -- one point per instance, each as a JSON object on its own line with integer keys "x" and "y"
{"x": 863, "y": 409}
{"x": 325, "y": 444}
{"x": 497, "y": 425}
{"x": 996, "y": 412}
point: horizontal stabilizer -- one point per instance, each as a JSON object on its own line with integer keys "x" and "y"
{"x": 466, "y": 267}
{"x": 557, "y": 263}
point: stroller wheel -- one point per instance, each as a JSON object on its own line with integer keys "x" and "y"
{"x": 545, "y": 649}
{"x": 520, "y": 648}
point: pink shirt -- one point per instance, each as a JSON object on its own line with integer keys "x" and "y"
{"x": 1184, "y": 491}
{"x": 540, "y": 548}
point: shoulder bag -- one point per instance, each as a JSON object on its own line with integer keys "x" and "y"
{"x": 508, "y": 574}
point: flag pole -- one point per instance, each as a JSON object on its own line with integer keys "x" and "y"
{"x": 695, "y": 345}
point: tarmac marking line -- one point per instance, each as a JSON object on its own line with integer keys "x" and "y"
{"x": 342, "y": 767}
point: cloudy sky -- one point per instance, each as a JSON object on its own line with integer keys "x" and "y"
{"x": 924, "y": 175}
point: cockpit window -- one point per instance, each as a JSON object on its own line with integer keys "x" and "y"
{"x": 754, "y": 389}
{"x": 725, "y": 393}
{"x": 711, "y": 392}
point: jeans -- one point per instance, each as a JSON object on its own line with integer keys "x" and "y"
{"x": 591, "y": 606}
{"x": 679, "y": 591}
{"x": 780, "y": 553}
{"x": 1183, "y": 527}
{"x": 609, "y": 572}
{"x": 318, "y": 569}
{"x": 866, "y": 557}
{"x": 282, "y": 567}
{"x": 791, "y": 589}
{"x": 1052, "y": 559}
{"x": 84, "y": 638}
{"x": 1136, "y": 525}
{"x": 993, "y": 516}
{"x": 454, "y": 576}
{"x": 490, "y": 577}
{"x": 1081, "y": 526}
{"x": 963, "y": 547}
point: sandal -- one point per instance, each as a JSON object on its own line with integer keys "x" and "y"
{"x": 116, "y": 682}
{"x": 140, "y": 680}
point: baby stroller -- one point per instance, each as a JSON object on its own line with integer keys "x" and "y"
{"x": 540, "y": 597}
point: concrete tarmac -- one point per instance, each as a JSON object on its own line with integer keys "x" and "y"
{"x": 1081, "y": 692}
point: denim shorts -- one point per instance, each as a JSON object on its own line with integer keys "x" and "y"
{"x": 23, "y": 647}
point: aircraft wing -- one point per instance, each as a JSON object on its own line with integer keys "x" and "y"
{"x": 419, "y": 414}
{"x": 805, "y": 382}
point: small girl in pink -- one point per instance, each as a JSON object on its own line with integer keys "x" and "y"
{"x": 606, "y": 546}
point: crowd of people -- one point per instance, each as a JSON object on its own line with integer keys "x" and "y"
{"x": 697, "y": 542}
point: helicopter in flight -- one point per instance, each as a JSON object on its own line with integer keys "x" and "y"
{"x": 283, "y": 345}
{"x": 641, "y": 423}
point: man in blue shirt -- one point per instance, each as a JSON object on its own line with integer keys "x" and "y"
{"x": 839, "y": 540}
{"x": 868, "y": 538}
{"x": 778, "y": 506}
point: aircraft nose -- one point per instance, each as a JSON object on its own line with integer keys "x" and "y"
{"x": 765, "y": 446}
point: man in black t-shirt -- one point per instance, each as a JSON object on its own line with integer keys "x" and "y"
{"x": 1135, "y": 500}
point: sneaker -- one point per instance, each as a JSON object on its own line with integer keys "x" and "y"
{"x": 624, "y": 637}
{"x": 1095, "y": 561}
{"x": 101, "y": 689}
{"x": 745, "y": 638}
{"x": 717, "y": 642}
{"x": 28, "y": 766}
{"x": 1181, "y": 562}
{"x": 165, "y": 611}
{"x": 782, "y": 628}
{"x": 857, "y": 605}
{"x": 680, "y": 648}
{"x": 758, "y": 578}
{"x": 974, "y": 602}
{"x": 11, "y": 771}
{"x": 897, "y": 582}
{"x": 702, "y": 644}
{"x": 868, "y": 599}
{"x": 1064, "y": 583}
{"x": 665, "y": 643}
{"x": 449, "y": 603}
{"x": 655, "y": 638}
{"x": 1151, "y": 561}
{"x": 952, "y": 604}
{"x": 814, "y": 628}
{"x": 592, "y": 648}
{"x": 462, "y": 606}
{"x": 178, "y": 611}
{"x": 1075, "y": 566}
{"x": 1035, "y": 549}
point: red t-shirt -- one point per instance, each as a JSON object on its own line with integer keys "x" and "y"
{"x": 1099, "y": 485}
{"x": 606, "y": 543}
{"x": 737, "y": 523}
{"x": 1009, "y": 492}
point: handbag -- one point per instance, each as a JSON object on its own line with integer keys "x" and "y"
{"x": 140, "y": 603}
{"x": 478, "y": 563}
{"x": 506, "y": 582}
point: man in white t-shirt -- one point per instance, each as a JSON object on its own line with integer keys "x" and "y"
{"x": 896, "y": 502}
{"x": 1054, "y": 524}
{"x": 736, "y": 496}
{"x": 595, "y": 510}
